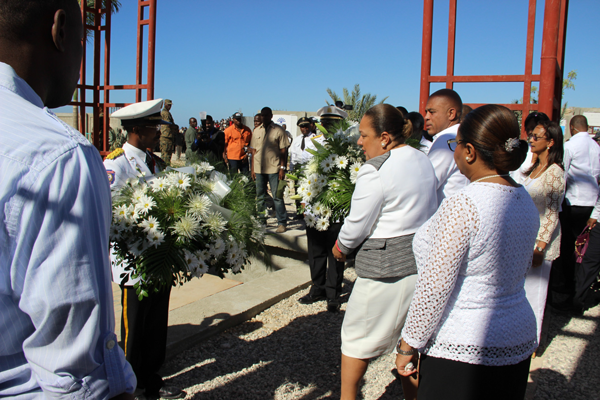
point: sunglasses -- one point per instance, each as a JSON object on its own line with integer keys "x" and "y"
{"x": 453, "y": 143}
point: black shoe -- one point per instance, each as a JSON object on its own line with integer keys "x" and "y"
{"x": 309, "y": 299}
{"x": 170, "y": 392}
{"x": 333, "y": 305}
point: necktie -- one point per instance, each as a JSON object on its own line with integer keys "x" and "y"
{"x": 302, "y": 145}
{"x": 149, "y": 163}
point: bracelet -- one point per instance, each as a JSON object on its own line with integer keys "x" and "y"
{"x": 405, "y": 353}
{"x": 338, "y": 247}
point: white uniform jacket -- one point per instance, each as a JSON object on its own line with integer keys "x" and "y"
{"x": 120, "y": 166}
{"x": 299, "y": 156}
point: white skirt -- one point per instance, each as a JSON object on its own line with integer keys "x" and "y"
{"x": 375, "y": 316}
{"x": 536, "y": 290}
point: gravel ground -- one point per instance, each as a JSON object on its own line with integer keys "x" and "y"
{"x": 292, "y": 351}
{"x": 289, "y": 351}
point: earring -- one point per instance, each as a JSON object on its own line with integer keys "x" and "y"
{"x": 467, "y": 158}
{"x": 382, "y": 144}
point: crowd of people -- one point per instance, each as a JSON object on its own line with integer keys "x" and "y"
{"x": 459, "y": 242}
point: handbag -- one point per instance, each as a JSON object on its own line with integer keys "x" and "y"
{"x": 581, "y": 244}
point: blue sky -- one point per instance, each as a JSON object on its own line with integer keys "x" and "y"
{"x": 224, "y": 56}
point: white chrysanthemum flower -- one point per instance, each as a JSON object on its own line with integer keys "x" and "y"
{"x": 191, "y": 261}
{"x": 145, "y": 204}
{"x": 334, "y": 185}
{"x": 353, "y": 177}
{"x": 149, "y": 224}
{"x": 120, "y": 213}
{"x": 138, "y": 193}
{"x": 217, "y": 247}
{"x": 215, "y": 222}
{"x": 355, "y": 167}
{"x": 188, "y": 226}
{"x": 115, "y": 233}
{"x": 199, "y": 205}
{"x": 327, "y": 164}
{"x": 237, "y": 266}
{"x": 341, "y": 162}
{"x": 156, "y": 237}
{"x": 159, "y": 184}
{"x": 317, "y": 209}
{"x": 126, "y": 225}
{"x": 312, "y": 166}
{"x": 322, "y": 224}
{"x": 232, "y": 245}
{"x": 200, "y": 269}
{"x": 180, "y": 180}
{"x": 325, "y": 213}
{"x": 232, "y": 257}
{"x": 208, "y": 186}
{"x": 132, "y": 213}
{"x": 203, "y": 167}
{"x": 322, "y": 180}
{"x": 286, "y": 191}
{"x": 133, "y": 182}
{"x": 308, "y": 195}
{"x": 310, "y": 220}
{"x": 202, "y": 255}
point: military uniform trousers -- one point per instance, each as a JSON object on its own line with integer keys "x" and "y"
{"x": 326, "y": 273}
{"x": 144, "y": 334}
{"x": 166, "y": 149}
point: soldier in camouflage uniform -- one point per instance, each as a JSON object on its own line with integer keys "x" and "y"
{"x": 167, "y": 137}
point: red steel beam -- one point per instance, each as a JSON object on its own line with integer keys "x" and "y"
{"x": 105, "y": 90}
{"x": 426, "y": 53}
{"x": 529, "y": 62}
{"x": 482, "y": 78}
{"x": 451, "y": 45}
{"x": 151, "y": 48}
{"x": 549, "y": 63}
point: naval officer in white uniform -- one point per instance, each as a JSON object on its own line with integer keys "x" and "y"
{"x": 143, "y": 323}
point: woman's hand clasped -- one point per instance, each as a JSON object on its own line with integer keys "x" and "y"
{"x": 406, "y": 365}
{"x": 338, "y": 255}
{"x": 538, "y": 258}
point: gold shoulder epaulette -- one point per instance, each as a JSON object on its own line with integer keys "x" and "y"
{"x": 316, "y": 137}
{"x": 115, "y": 154}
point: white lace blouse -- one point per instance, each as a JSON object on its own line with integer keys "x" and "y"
{"x": 547, "y": 192}
{"x": 472, "y": 256}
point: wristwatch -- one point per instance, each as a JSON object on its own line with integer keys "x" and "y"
{"x": 282, "y": 167}
{"x": 538, "y": 248}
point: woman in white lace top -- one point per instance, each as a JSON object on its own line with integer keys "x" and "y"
{"x": 545, "y": 182}
{"x": 469, "y": 317}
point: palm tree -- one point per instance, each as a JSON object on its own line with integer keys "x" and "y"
{"x": 89, "y": 20}
{"x": 360, "y": 103}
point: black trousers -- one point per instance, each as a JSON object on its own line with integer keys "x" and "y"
{"x": 144, "y": 335}
{"x": 572, "y": 221}
{"x": 326, "y": 281}
{"x": 587, "y": 272}
{"x": 446, "y": 379}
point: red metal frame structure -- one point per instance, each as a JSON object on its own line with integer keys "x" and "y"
{"x": 552, "y": 59}
{"x": 101, "y": 107}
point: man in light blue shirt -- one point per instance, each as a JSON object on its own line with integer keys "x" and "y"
{"x": 56, "y": 307}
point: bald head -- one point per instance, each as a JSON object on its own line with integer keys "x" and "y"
{"x": 48, "y": 30}
{"x": 443, "y": 110}
{"x": 579, "y": 123}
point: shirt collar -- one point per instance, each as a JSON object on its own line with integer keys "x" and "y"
{"x": 450, "y": 129}
{"x": 139, "y": 153}
{"x": 11, "y": 81}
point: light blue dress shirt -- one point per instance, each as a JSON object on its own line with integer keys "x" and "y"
{"x": 56, "y": 308}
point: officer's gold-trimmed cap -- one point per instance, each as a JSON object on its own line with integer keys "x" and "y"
{"x": 303, "y": 121}
{"x": 332, "y": 112}
{"x": 141, "y": 114}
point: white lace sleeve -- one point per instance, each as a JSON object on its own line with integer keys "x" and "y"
{"x": 439, "y": 255}
{"x": 554, "y": 190}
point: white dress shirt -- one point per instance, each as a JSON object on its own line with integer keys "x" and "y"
{"x": 425, "y": 145}
{"x": 56, "y": 306}
{"x": 582, "y": 168}
{"x": 450, "y": 180}
{"x": 299, "y": 156}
